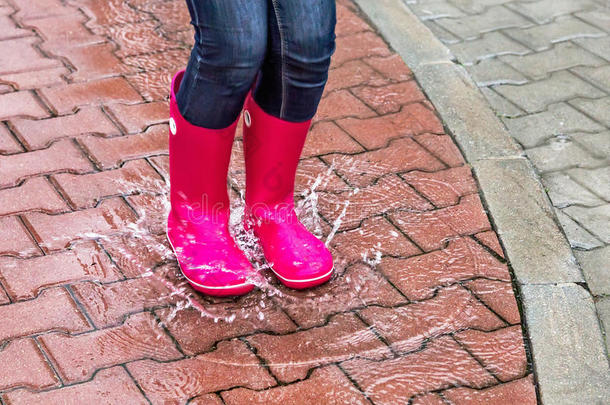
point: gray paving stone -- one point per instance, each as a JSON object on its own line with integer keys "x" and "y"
{"x": 567, "y": 345}
{"x": 596, "y": 180}
{"x": 561, "y": 153}
{"x": 492, "y": 19}
{"x": 525, "y": 221}
{"x": 599, "y": 109}
{"x": 546, "y": 10}
{"x": 600, "y": 17}
{"x": 442, "y": 34}
{"x": 578, "y": 237}
{"x": 598, "y": 144}
{"x": 476, "y": 7}
{"x": 464, "y": 110}
{"x": 603, "y": 310}
{"x": 599, "y": 76}
{"x": 536, "y": 96}
{"x": 598, "y": 46}
{"x": 595, "y": 219}
{"x": 541, "y": 37}
{"x": 501, "y": 106}
{"x": 562, "y": 56}
{"x": 493, "y": 71}
{"x": 433, "y": 9}
{"x": 488, "y": 46}
{"x": 563, "y": 191}
{"x": 595, "y": 264}
{"x": 558, "y": 119}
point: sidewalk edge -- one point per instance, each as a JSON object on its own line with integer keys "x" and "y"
{"x": 566, "y": 342}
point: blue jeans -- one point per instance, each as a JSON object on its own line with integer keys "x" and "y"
{"x": 282, "y": 47}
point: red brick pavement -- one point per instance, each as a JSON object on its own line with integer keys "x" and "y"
{"x": 92, "y": 307}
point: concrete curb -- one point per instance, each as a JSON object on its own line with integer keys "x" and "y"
{"x": 567, "y": 345}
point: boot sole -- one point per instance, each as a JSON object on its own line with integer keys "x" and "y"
{"x": 216, "y": 291}
{"x": 303, "y": 284}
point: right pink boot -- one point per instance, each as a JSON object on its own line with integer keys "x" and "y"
{"x": 198, "y": 223}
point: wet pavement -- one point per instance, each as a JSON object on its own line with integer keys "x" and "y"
{"x": 92, "y": 303}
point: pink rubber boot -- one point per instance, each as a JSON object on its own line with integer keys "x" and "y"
{"x": 198, "y": 223}
{"x": 272, "y": 148}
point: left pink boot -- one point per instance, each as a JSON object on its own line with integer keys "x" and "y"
{"x": 272, "y": 148}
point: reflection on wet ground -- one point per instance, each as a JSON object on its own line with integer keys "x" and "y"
{"x": 421, "y": 309}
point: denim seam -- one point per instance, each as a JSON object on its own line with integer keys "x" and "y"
{"x": 193, "y": 85}
{"x": 282, "y": 53}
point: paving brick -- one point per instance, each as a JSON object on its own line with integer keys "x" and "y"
{"x": 598, "y": 109}
{"x": 172, "y": 14}
{"x": 535, "y": 97}
{"x": 108, "y": 386}
{"x": 392, "y": 67}
{"x": 451, "y": 310}
{"x": 153, "y": 86}
{"x": 340, "y": 104}
{"x": 93, "y": 61}
{"x": 430, "y": 229}
{"x": 435, "y": 10}
{"x": 110, "y": 152}
{"x": 351, "y": 74}
{"x": 110, "y": 12}
{"x": 137, "y": 117}
{"x": 356, "y": 287}
{"x": 15, "y": 241}
{"x": 600, "y": 76}
{"x": 489, "y": 72}
{"x": 347, "y": 209}
{"x": 24, "y": 279}
{"x": 489, "y": 45}
{"x": 418, "y": 277}
{"x": 168, "y": 61}
{"x": 499, "y": 296}
{"x": 76, "y": 358}
{"x": 595, "y": 219}
{"x": 8, "y": 144}
{"x": 522, "y": 391}
{"x": 357, "y": 46}
{"x": 490, "y": 239}
{"x": 442, "y": 188}
{"x": 3, "y": 297}
{"x": 441, "y": 364}
{"x": 500, "y": 105}
{"x": 43, "y": 8}
{"x": 390, "y": 98}
{"x": 138, "y": 38}
{"x": 302, "y": 351}
{"x": 597, "y": 45}
{"x": 544, "y": 11}
{"x": 541, "y": 37}
{"x": 501, "y": 351}
{"x": 401, "y": 155}
{"x": 20, "y": 104}
{"x": 325, "y": 386}
{"x": 563, "y": 191}
{"x": 105, "y": 91}
{"x": 208, "y": 399}
{"x": 137, "y": 256}
{"x": 375, "y": 132}
{"x": 8, "y": 29}
{"x": 595, "y": 180}
{"x": 35, "y": 194}
{"x": 197, "y": 332}
{"x": 54, "y": 309}
{"x": 108, "y": 304}
{"x": 443, "y": 147}
{"x": 64, "y": 31}
{"x": 55, "y": 232}
{"x": 348, "y": 22}
{"x": 374, "y": 238}
{"x": 24, "y": 366}
{"x": 492, "y": 19}
{"x": 442, "y": 34}
{"x": 37, "y": 134}
{"x": 577, "y": 235}
{"x": 19, "y": 55}
{"x": 230, "y": 365}
{"x": 152, "y": 211}
{"x": 84, "y": 191}
{"x": 560, "y": 154}
{"x": 530, "y": 130}
{"x": 562, "y": 56}
{"x": 327, "y": 137}
{"x": 42, "y": 78}
{"x": 60, "y": 156}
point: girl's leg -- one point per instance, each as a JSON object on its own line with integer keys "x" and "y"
{"x": 230, "y": 46}
{"x": 301, "y": 42}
